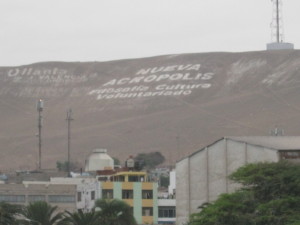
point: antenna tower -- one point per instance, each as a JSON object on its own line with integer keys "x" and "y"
{"x": 277, "y": 22}
{"x": 40, "y": 107}
{"x": 277, "y": 33}
{"x": 69, "y": 119}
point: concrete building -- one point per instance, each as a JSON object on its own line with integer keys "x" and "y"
{"x": 172, "y": 186}
{"x": 203, "y": 176}
{"x": 166, "y": 211}
{"x": 66, "y": 193}
{"x": 133, "y": 188}
{"x": 167, "y": 202}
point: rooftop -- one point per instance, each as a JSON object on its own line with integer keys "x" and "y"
{"x": 274, "y": 142}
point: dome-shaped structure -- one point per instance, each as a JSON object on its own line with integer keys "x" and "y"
{"x": 99, "y": 160}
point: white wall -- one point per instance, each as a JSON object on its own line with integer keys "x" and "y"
{"x": 182, "y": 190}
{"x": 172, "y": 186}
{"x": 198, "y": 180}
{"x": 203, "y": 176}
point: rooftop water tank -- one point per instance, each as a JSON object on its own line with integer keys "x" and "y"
{"x": 99, "y": 160}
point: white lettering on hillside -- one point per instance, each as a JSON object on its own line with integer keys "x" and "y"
{"x": 169, "y": 69}
{"x": 159, "y": 78}
{"x": 34, "y": 75}
{"x": 174, "y": 80}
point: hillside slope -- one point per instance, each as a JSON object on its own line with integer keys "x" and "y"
{"x": 174, "y": 104}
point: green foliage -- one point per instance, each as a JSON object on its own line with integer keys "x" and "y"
{"x": 8, "y": 213}
{"x": 114, "y": 211}
{"x": 41, "y": 213}
{"x": 81, "y": 218}
{"x": 269, "y": 196}
{"x": 164, "y": 181}
{"x": 116, "y": 161}
{"x": 236, "y": 208}
{"x": 270, "y": 180}
{"x": 63, "y": 166}
{"x": 150, "y": 160}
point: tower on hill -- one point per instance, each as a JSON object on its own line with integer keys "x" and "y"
{"x": 277, "y": 29}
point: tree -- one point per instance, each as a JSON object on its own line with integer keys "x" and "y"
{"x": 41, "y": 213}
{"x": 114, "y": 212}
{"x": 269, "y": 195}
{"x": 116, "y": 161}
{"x": 63, "y": 166}
{"x": 81, "y": 218}
{"x": 164, "y": 181}
{"x": 8, "y": 213}
{"x": 150, "y": 160}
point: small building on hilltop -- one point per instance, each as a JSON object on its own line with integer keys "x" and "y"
{"x": 203, "y": 176}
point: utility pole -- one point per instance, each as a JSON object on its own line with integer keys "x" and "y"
{"x": 40, "y": 107}
{"x": 69, "y": 119}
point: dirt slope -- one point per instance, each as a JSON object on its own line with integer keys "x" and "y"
{"x": 174, "y": 104}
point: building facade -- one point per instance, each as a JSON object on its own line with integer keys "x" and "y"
{"x": 66, "y": 193}
{"x": 166, "y": 211}
{"x": 203, "y": 176}
{"x": 135, "y": 190}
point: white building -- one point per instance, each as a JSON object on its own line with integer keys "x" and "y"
{"x": 66, "y": 193}
{"x": 172, "y": 186}
{"x": 99, "y": 160}
{"x": 88, "y": 190}
{"x": 203, "y": 176}
{"x": 166, "y": 211}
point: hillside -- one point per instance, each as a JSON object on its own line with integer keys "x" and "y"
{"x": 174, "y": 104}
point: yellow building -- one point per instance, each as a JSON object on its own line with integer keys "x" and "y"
{"x": 134, "y": 188}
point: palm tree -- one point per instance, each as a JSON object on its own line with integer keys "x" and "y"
{"x": 81, "y": 218}
{"x": 114, "y": 212}
{"x": 8, "y": 213}
{"x": 41, "y": 213}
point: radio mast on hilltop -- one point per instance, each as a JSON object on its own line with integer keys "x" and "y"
{"x": 277, "y": 29}
{"x": 277, "y": 21}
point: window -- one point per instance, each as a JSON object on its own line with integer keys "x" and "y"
{"x": 79, "y": 195}
{"x": 147, "y": 194}
{"x": 127, "y": 194}
{"x": 147, "y": 211}
{"x": 61, "y": 198}
{"x": 118, "y": 178}
{"x": 102, "y": 178}
{"x": 36, "y": 198}
{"x": 108, "y": 194}
{"x": 290, "y": 155}
{"x": 12, "y": 198}
{"x": 93, "y": 195}
{"x": 166, "y": 212}
{"x": 133, "y": 178}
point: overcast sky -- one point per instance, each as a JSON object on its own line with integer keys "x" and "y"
{"x": 102, "y": 30}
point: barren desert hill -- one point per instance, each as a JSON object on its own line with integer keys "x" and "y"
{"x": 174, "y": 104}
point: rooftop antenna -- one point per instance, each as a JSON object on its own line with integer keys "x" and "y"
{"x": 277, "y": 21}
{"x": 40, "y": 107}
{"x": 69, "y": 120}
{"x": 277, "y": 132}
{"x": 277, "y": 33}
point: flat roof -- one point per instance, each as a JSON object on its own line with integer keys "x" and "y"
{"x": 281, "y": 143}
{"x": 274, "y": 142}
{"x": 133, "y": 173}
